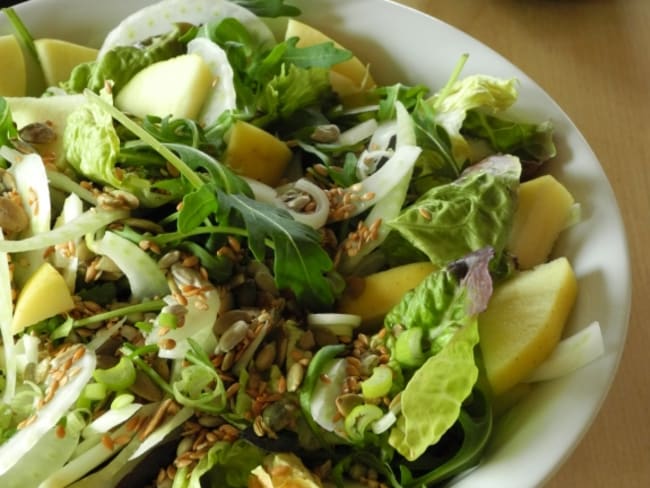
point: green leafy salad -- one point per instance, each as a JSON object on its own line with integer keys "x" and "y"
{"x": 184, "y": 219}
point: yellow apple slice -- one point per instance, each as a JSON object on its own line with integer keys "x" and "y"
{"x": 12, "y": 66}
{"x": 58, "y": 58}
{"x": 178, "y": 87}
{"x": 543, "y": 210}
{"x": 524, "y": 321}
{"x": 44, "y": 295}
{"x": 351, "y": 76}
{"x": 383, "y": 290}
{"x": 255, "y": 153}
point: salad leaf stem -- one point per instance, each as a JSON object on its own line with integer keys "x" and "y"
{"x": 134, "y": 354}
{"x": 22, "y": 33}
{"x": 150, "y": 306}
{"x": 169, "y": 237}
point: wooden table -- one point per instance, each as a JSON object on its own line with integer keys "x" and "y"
{"x": 593, "y": 58}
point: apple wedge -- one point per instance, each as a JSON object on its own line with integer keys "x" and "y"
{"x": 255, "y": 153}
{"x": 12, "y": 66}
{"x": 383, "y": 290}
{"x": 58, "y": 58}
{"x": 524, "y": 321}
{"x": 178, "y": 87}
{"x": 44, "y": 295}
{"x": 348, "y": 77}
{"x": 543, "y": 210}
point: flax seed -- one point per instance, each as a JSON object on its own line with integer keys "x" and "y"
{"x": 426, "y": 215}
{"x": 234, "y": 244}
{"x": 107, "y": 442}
{"x": 232, "y": 390}
{"x": 167, "y": 344}
{"x": 121, "y": 440}
{"x": 190, "y": 261}
{"x": 132, "y": 424}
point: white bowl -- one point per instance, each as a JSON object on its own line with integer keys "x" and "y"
{"x": 401, "y": 44}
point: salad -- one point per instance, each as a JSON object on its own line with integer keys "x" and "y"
{"x": 195, "y": 223}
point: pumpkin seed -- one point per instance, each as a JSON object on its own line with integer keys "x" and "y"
{"x": 233, "y": 335}
{"x": 295, "y": 375}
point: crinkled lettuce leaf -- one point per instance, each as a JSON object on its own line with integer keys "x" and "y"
{"x": 443, "y": 311}
{"x": 476, "y": 91}
{"x": 431, "y": 401}
{"x": 92, "y": 147}
{"x": 470, "y": 213}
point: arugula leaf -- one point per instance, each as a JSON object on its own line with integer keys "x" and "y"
{"x": 300, "y": 260}
{"x": 269, "y": 8}
{"x": 322, "y": 55}
{"x": 292, "y": 89}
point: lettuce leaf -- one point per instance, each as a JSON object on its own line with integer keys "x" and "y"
{"x": 525, "y": 140}
{"x": 431, "y": 401}
{"x": 443, "y": 312}
{"x": 475, "y": 211}
{"x": 477, "y": 91}
{"x": 92, "y": 147}
{"x": 225, "y": 465}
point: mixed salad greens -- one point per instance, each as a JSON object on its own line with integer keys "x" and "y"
{"x": 198, "y": 339}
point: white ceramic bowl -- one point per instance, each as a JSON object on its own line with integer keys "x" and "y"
{"x": 401, "y": 44}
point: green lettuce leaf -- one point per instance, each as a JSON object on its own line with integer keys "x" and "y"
{"x": 477, "y": 91}
{"x": 226, "y": 465}
{"x": 92, "y": 147}
{"x": 475, "y": 211}
{"x": 438, "y": 321}
{"x": 432, "y": 399}
{"x": 526, "y": 140}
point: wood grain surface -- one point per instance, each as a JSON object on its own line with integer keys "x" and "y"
{"x": 593, "y": 58}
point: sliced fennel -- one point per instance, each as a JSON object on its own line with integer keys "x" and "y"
{"x": 111, "y": 419}
{"x": 95, "y": 455}
{"x": 89, "y": 222}
{"x": 47, "y": 417}
{"x": 571, "y": 354}
{"x": 222, "y": 96}
{"x": 198, "y": 319}
{"x": 381, "y": 183}
{"x": 29, "y": 174}
{"x": 6, "y": 319}
{"x": 145, "y": 277}
{"x": 158, "y": 435}
{"x": 63, "y": 260}
{"x": 159, "y": 18}
{"x": 318, "y": 217}
{"x": 389, "y": 207}
{"x": 323, "y": 404}
{"x": 358, "y": 133}
{"x": 49, "y": 454}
